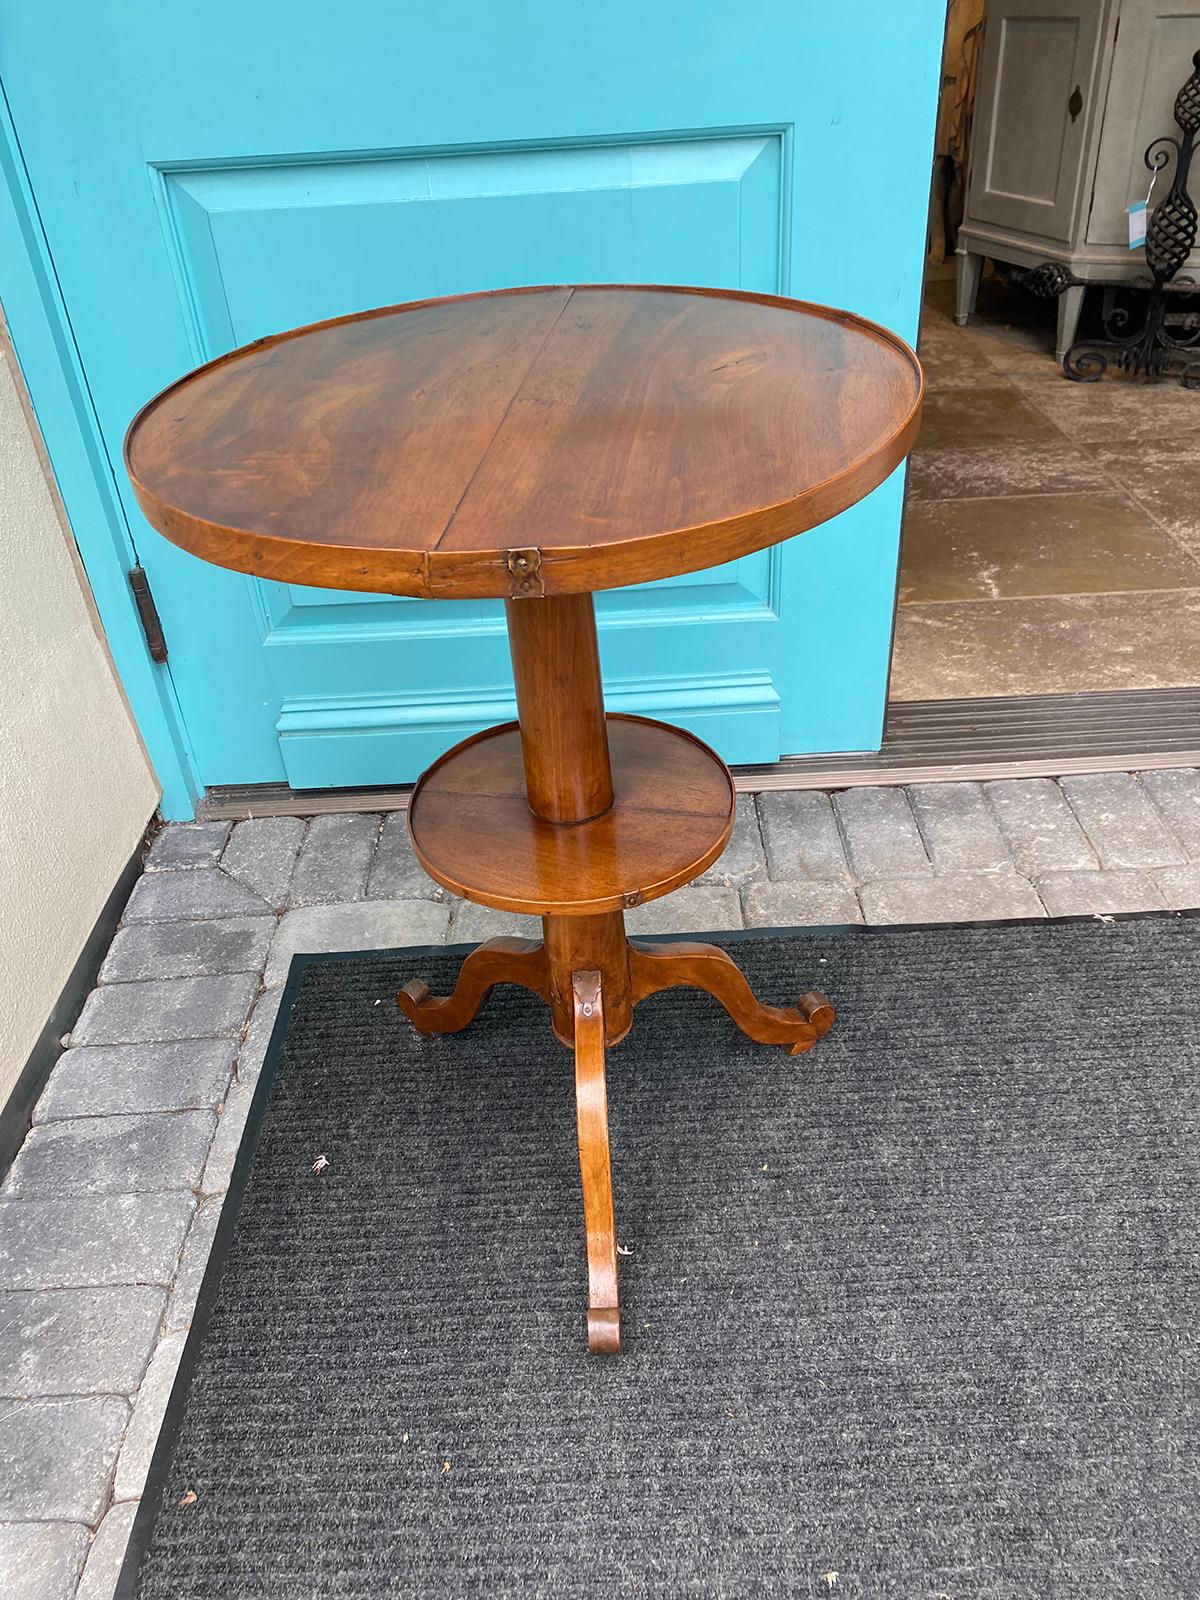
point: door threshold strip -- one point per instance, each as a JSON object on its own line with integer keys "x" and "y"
{"x": 925, "y": 741}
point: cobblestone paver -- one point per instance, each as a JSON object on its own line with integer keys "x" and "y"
{"x": 1175, "y": 792}
{"x": 261, "y": 854}
{"x": 961, "y": 833}
{"x": 41, "y": 1560}
{"x": 109, "y": 1212}
{"x": 1122, "y": 822}
{"x": 801, "y": 837}
{"x": 1039, "y": 827}
{"x": 881, "y": 834}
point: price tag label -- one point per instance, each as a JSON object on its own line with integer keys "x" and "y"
{"x": 1137, "y": 214}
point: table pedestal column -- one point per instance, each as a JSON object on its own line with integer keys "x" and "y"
{"x": 568, "y": 781}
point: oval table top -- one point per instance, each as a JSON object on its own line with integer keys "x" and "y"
{"x": 526, "y": 441}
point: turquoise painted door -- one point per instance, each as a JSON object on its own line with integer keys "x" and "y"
{"x": 208, "y": 174}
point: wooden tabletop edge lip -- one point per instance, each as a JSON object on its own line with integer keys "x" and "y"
{"x": 480, "y": 574}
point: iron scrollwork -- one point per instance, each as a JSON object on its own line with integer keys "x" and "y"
{"x": 1152, "y": 348}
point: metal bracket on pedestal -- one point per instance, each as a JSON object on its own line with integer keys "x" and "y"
{"x": 525, "y": 570}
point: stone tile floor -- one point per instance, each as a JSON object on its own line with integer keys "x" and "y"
{"x": 108, "y": 1213}
{"x": 1052, "y": 532}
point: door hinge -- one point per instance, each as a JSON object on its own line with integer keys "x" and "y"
{"x": 148, "y": 612}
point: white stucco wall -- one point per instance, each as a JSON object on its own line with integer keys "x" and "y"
{"x": 76, "y": 789}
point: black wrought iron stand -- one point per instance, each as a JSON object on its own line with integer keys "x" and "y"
{"x": 1152, "y": 349}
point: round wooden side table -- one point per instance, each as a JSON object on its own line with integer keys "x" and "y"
{"x": 537, "y": 445}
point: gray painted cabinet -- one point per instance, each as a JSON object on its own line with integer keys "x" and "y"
{"x": 1070, "y": 94}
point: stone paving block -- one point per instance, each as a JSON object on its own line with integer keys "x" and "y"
{"x": 1078, "y": 894}
{"x": 360, "y": 925}
{"x": 112, "y": 1155}
{"x": 98, "y": 1239}
{"x": 188, "y": 844}
{"x": 1117, "y": 816}
{"x": 104, "y": 1080}
{"x": 103, "y": 1566}
{"x": 258, "y": 1036}
{"x": 151, "y": 1012}
{"x": 1175, "y": 793}
{"x": 188, "y": 949}
{"x": 1039, "y": 826}
{"x": 880, "y": 833}
{"x": 693, "y": 909}
{"x": 57, "y": 1457}
{"x": 953, "y": 897}
{"x": 77, "y": 1341}
{"x": 261, "y": 854}
{"x": 41, "y": 1560}
{"x": 396, "y": 874}
{"x": 108, "y": 1552}
{"x": 149, "y": 1404}
{"x": 1179, "y": 886}
{"x": 802, "y": 837}
{"x": 959, "y": 829}
{"x": 197, "y": 1248}
{"x": 744, "y": 860}
{"x": 190, "y": 897}
{"x": 334, "y": 859}
{"x": 800, "y": 905}
{"x": 231, "y": 1125}
{"x": 471, "y": 924}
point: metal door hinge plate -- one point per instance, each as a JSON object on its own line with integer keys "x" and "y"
{"x": 148, "y": 613}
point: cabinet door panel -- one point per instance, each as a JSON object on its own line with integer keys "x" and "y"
{"x": 1153, "y": 56}
{"x": 1030, "y": 122}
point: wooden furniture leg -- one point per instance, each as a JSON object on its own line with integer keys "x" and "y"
{"x": 595, "y": 1169}
{"x": 520, "y": 961}
{"x": 703, "y": 966}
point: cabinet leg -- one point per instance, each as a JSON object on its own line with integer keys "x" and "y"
{"x": 591, "y": 1104}
{"x": 1070, "y": 305}
{"x": 968, "y": 270}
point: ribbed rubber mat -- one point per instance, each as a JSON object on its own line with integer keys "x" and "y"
{"x": 914, "y": 1315}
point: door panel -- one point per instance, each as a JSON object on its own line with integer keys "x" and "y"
{"x": 275, "y": 244}
{"x": 382, "y": 230}
{"x": 265, "y": 166}
{"x": 1030, "y": 123}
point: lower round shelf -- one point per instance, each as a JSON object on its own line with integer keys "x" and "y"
{"x": 474, "y": 833}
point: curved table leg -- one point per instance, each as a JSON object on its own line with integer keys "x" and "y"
{"x": 591, "y": 1105}
{"x": 520, "y": 961}
{"x": 703, "y": 966}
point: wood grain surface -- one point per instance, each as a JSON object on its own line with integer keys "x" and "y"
{"x": 595, "y": 1167}
{"x": 560, "y": 706}
{"x": 475, "y": 834}
{"x": 614, "y": 434}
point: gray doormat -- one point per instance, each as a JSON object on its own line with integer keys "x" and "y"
{"x": 913, "y": 1315}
